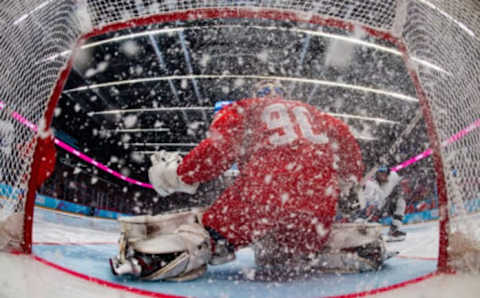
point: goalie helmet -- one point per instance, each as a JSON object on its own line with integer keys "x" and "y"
{"x": 269, "y": 88}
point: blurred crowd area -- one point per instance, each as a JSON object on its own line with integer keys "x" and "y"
{"x": 420, "y": 195}
{"x": 83, "y": 184}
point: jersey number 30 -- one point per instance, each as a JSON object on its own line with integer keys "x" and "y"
{"x": 276, "y": 117}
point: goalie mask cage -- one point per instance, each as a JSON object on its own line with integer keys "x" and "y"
{"x": 38, "y": 37}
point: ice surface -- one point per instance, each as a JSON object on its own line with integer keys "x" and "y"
{"x": 443, "y": 286}
{"x": 26, "y": 277}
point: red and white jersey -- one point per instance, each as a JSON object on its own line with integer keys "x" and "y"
{"x": 290, "y": 156}
{"x": 272, "y": 136}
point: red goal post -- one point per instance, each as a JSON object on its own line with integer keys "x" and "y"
{"x": 40, "y": 37}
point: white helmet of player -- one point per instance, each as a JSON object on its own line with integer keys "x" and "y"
{"x": 351, "y": 247}
{"x": 382, "y": 173}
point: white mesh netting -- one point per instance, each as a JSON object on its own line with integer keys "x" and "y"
{"x": 446, "y": 34}
{"x": 33, "y": 33}
{"x": 36, "y": 34}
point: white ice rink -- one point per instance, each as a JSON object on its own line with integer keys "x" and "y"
{"x": 82, "y": 244}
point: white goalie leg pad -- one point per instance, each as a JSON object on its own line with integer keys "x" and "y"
{"x": 364, "y": 258}
{"x": 149, "y": 236}
{"x": 146, "y": 226}
{"x": 347, "y": 235}
{"x": 352, "y": 247}
{"x": 185, "y": 251}
{"x": 349, "y": 248}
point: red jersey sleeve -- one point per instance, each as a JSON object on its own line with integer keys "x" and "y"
{"x": 346, "y": 151}
{"x": 217, "y": 153}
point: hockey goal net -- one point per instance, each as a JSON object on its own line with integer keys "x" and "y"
{"x": 38, "y": 37}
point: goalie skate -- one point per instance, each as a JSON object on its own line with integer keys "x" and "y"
{"x": 395, "y": 236}
{"x": 128, "y": 267}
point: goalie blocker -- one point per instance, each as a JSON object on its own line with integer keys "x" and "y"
{"x": 177, "y": 247}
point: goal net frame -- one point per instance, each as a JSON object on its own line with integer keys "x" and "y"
{"x": 294, "y": 11}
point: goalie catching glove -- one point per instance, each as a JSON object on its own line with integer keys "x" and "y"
{"x": 163, "y": 174}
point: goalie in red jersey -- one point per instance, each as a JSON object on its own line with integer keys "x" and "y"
{"x": 294, "y": 162}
